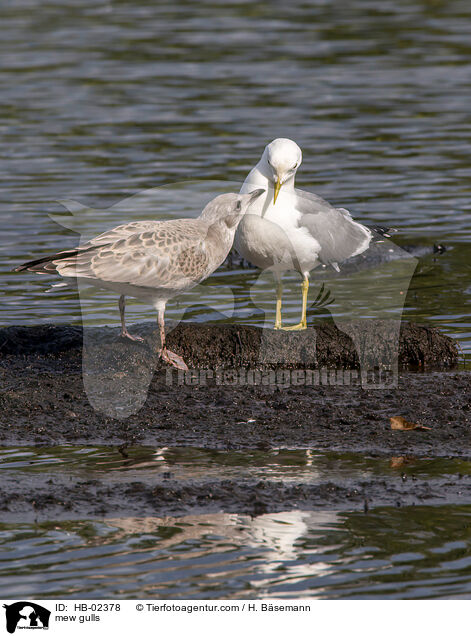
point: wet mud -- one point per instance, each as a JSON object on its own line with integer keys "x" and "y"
{"x": 39, "y": 498}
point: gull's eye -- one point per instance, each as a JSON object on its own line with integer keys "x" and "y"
{"x": 238, "y": 206}
{"x": 294, "y": 167}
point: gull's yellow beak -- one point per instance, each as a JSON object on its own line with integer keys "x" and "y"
{"x": 277, "y": 190}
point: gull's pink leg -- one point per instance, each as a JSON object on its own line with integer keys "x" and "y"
{"x": 168, "y": 356}
{"x": 124, "y": 332}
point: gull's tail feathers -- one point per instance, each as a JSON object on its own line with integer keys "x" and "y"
{"x": 49, "y": 264}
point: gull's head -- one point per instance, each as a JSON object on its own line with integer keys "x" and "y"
{"x": 283, "y": 157}
{"x": 229, "y": 208}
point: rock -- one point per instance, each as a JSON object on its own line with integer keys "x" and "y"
{"x": 376, "y": 343}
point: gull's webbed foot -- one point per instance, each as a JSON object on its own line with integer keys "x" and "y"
{"x": 299, "y": 327}
{"x": 127, "y": 336}
{"x": 172, "y": 358}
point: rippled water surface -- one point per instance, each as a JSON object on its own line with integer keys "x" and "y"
{"x": 183, "y": 463}
{"x": 419, "y": 552}
{"x": 103, "y": 100}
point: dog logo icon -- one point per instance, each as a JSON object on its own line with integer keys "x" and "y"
{"x": 26, "y": 615}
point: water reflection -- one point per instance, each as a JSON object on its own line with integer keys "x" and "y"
{"x": 417, "y": 552}
{"x": 183, "y": 463}
{"x": 190, "y": 463}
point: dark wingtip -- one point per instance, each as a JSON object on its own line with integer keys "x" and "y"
{"x": 48, "y": 259}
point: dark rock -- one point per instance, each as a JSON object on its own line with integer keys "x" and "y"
{"x": 374, "y": 342}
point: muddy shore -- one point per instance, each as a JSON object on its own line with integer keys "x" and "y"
{"x": 45, "y": 401}
{"x": 39, "y": 498}
{"x": 47, "y": 383}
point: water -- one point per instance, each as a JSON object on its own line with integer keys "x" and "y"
{"x": 189, "y": 463}
{"x": 103, "y": 100}
{"x": 389, "y": 552}
{"x": 416, "y": 553}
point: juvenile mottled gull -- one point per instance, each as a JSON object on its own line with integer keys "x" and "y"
{"x": 155, "y": 260}
{"x": 293, "y": 229}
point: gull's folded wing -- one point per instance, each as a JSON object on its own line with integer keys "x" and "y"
{"x": 340, "y": 237}
{"x": 166, "y": 255}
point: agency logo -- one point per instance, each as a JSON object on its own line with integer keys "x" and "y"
{"x": 26, "y": 615}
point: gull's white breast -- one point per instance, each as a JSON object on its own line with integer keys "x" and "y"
{"x": 269, "y": 235}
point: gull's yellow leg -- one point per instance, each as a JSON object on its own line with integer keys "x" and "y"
{"x": 279, "y": 292}
{"x": 303, "y": 323}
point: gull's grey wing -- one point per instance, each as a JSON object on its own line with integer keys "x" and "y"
{"x": 339, "y": 235}
{"x": 172, "y": 256}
